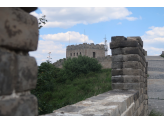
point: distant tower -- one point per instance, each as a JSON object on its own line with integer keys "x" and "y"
{"x": 106, "y": 46}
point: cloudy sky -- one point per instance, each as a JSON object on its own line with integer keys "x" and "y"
{"x": 146, "y": 22}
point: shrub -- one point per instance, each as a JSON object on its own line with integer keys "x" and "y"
{"x": 81, "y": 65}
{"x": 47, "y": 74}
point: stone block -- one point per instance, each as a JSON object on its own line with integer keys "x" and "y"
{"x": 22, "y": 106}
{"x": 127, "y": 71}
{"x": 124, "y": 58}
{"x": 8, "y": 72}
{"x": 127, "y": 64}
{"x": 27, "y": 76}
{"x": 126, "y": 50}
{"x": 130, "y": 111}
{"x": 118, "y": 38}
{"x": 122, "y": 44}
{"x": 125, "y": 86}
{"x": 129, "y": 101}
{"x": 142, "y": 113}
{"x": 145, "y": 96}
{"x": 136, "y": 38}
{"x": 126, "y": 79}
{"x": 122, "y": 107}
{"x": 19, "y": 30}
{"x": 136, "y": 104}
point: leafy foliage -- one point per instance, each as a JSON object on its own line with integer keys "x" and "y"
{"x": 80, "y": 78}
{"x": 82, "y": 65}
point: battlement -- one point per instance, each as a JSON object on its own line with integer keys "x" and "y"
{"x": 86, "y": 46}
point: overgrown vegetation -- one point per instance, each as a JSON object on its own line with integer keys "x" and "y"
{"x": 80, "y": 78}
{"x": 155, "y": 113}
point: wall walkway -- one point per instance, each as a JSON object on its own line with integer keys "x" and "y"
{"x": 156, "y": 83}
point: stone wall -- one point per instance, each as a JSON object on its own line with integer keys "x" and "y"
{"x": 129, "y": 84}
{"x": 18, "y": 70}
{"x": 85, "y": 50}
{"x": 129, "y": 70}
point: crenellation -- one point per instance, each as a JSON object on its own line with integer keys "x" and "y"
{"x": 85, "y": 45}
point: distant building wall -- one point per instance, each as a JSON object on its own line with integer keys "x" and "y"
{"x": 85, "y": 50}
{"x": 90, "y": 50}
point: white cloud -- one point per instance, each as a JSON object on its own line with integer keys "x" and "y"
{"x": 54, "y": 43}
{"x": 75, "y": 37}
{"x": 153, "y": 40}
{"x": 66, "y": 17}
{"x": 155, "y": 35}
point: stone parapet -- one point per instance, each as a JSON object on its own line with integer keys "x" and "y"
{"x": 129, "y": 66}
{"x": 18, "y": 70}
{"x": 111, "y": 103}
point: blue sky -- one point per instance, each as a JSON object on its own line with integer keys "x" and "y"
{"x": 146, "y": 22}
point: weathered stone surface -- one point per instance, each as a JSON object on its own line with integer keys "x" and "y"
{"x": 27, "y": 76}
{"x": 128, "y": 57}
{"x": 127, "y": 71}
{"x": 136, "y": 38}
{"x": 22, "y": 106}
{"x": 19, "y": 30}
{"x": 130, "y": 110}
{"x": 126, "y": 79}
{"x": 125, "y": 86}
{"x": 127, "y": 64}
{"x": 122, "y": 44}
{"x": 118, "y": 38}
{"x": 128, "y": 50}
{"x": 8, "y": 72}
{"x": 29, "y": 9}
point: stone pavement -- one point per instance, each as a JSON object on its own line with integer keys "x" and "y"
{"x": 155, "y": 83}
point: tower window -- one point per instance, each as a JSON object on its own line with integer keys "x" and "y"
{"x": 93, "y": 54}
{"x": 77, "y": 54}
{"x": 80, "y": 53}
{"x": 74, "y": 54}
{"x": 70, "y": 54}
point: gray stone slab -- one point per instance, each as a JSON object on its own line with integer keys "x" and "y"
{"x": 154, "y": 58}
{"x": 19, "y": 29}
{"x": 157, "y": 105}
{"x": 71, "y": 108}
{"x": 156, "y": 88}
{"x": 155, "y": 75}
{"x": 21, "y": 106}
{"x": 155, "y": 69}
{"x": 8, "y": 72}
